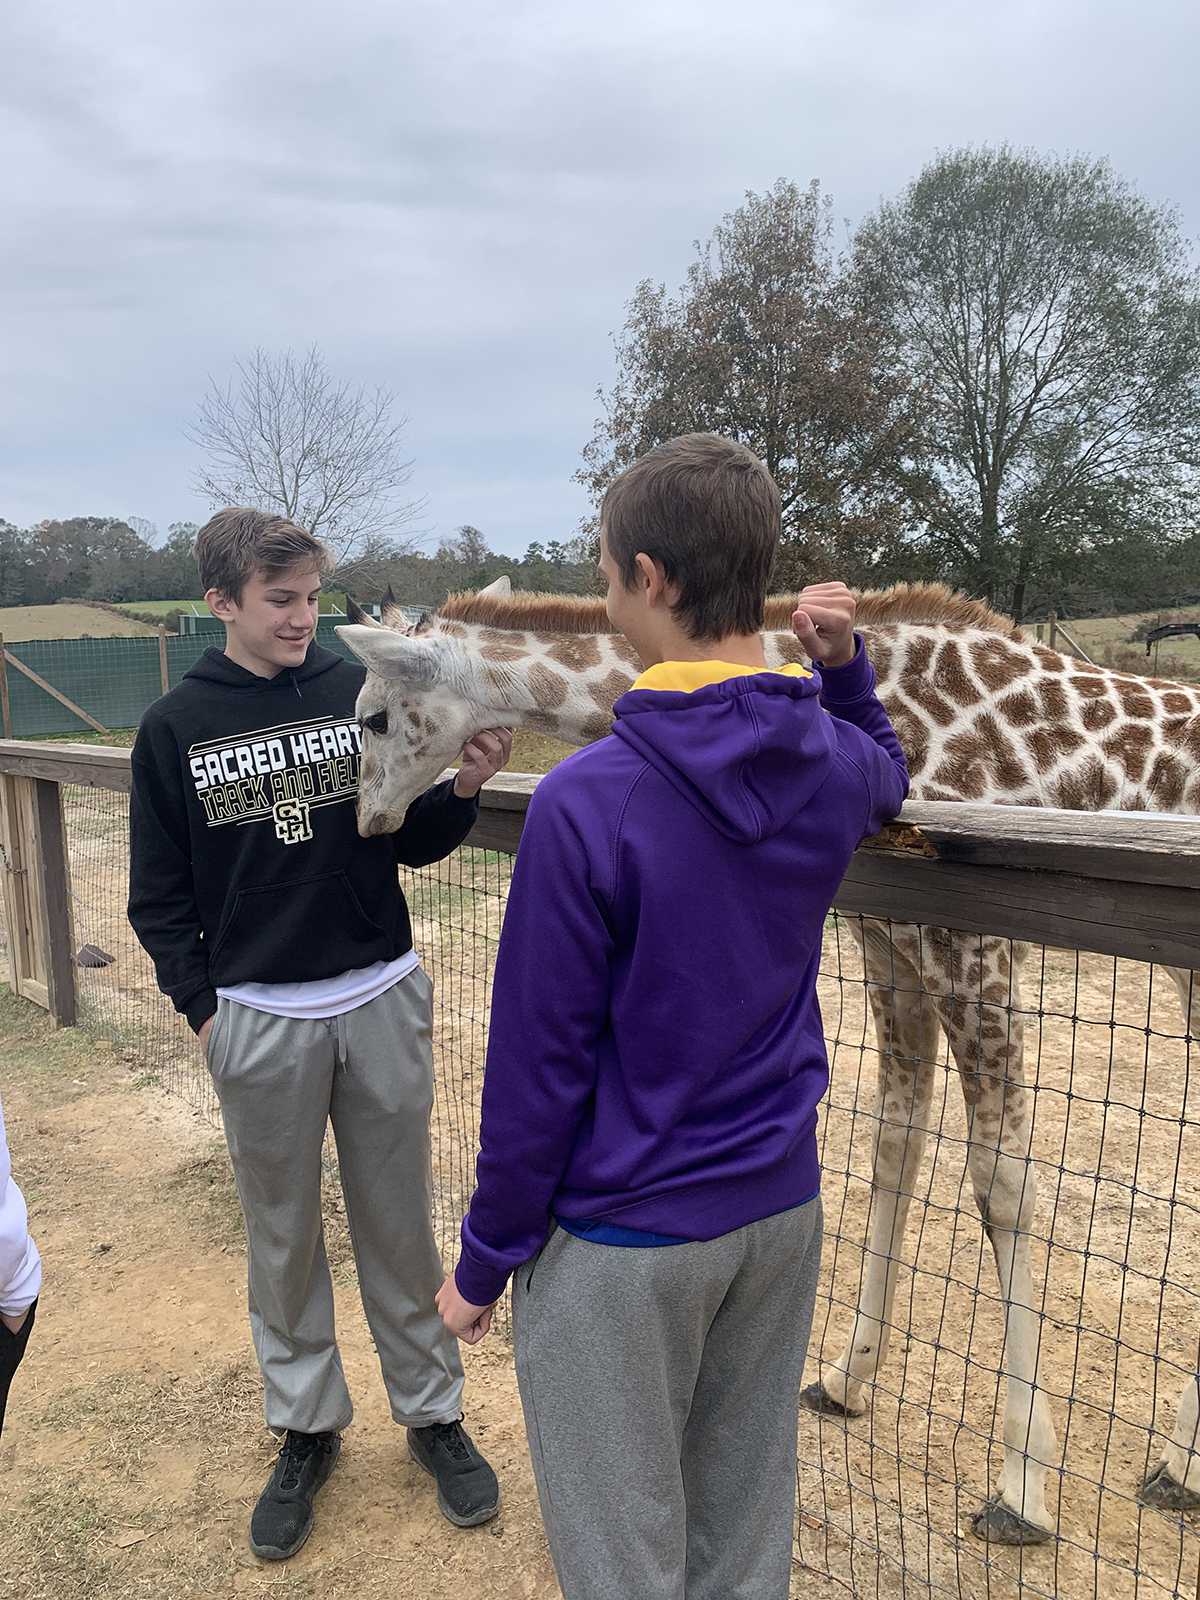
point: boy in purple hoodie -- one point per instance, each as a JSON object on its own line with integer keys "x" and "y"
{"x": 648, "y": 1162}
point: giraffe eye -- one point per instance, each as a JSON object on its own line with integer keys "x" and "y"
{"x": 377, "y": 723}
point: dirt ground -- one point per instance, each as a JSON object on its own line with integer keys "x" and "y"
{"x": 134, "y": 1447}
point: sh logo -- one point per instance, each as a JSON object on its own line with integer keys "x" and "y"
{"x": 291, "y": 821}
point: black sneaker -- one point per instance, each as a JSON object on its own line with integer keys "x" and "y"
{"x": 467, "y": 1491}
{"x": 283, "y": 1517}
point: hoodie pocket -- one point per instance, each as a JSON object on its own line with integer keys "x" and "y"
{"x": 296, "y": 932}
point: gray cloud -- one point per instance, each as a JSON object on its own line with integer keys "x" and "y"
{"x": 457, "y": 203}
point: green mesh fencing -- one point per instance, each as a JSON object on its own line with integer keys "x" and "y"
{"x": 113, "y": 680}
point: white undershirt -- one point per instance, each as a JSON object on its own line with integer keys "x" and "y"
{"x": 325, "y": 997}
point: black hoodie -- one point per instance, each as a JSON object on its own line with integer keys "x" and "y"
{"x": 246, "y": 861}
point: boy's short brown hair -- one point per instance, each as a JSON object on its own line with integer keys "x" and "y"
{"x": 708, "y": 510}
{"x": 238, "y": 542}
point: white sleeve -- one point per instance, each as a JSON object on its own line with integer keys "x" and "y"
{"x": 20, "y": 1264}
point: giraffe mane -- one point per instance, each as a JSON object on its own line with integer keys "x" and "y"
{"x": 555, "y": 613}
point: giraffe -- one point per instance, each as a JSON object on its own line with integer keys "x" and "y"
{"x": 983, "y": 715}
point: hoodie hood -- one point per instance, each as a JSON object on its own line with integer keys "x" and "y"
{"x": 214, "y": 666}
{"x": 747, "y": 748}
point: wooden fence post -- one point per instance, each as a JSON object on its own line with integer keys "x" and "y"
{"x": 54, "y": 900}
{"x": 163, "y": 672}
{"x": 5, "y": 703}
{"x": 1053, "y": 626}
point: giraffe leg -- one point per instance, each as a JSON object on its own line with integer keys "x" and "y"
{"x": 985, "y": 1034}
{"x": 907, "y": 1031}
{"x": 1174, "y": 1484}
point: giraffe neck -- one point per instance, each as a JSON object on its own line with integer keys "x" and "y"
{"x": 982, "y": 716}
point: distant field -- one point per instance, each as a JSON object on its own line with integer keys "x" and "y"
{"x": 160, "y": 608}
{"x": 1096, "y": 634}
{"x": 66, "y": 622}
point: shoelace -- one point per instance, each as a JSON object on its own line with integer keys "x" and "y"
{"x": 297, "y": 1449}
{"x": 450, "y": 1434}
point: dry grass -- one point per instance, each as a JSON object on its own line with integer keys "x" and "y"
{"x": 67, "y": 622}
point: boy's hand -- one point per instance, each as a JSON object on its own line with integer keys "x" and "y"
{"x": 205, "y": 1029}
{"x": 824, "y": 623}
{"x": 467, "y": 1322}
{"x": 482, "y": 757}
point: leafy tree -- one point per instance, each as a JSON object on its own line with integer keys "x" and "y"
{"x": 766, "y": 342}
{"x": 1049, "y": 315}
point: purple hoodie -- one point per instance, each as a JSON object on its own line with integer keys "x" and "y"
{"x": 656, "y": 1055}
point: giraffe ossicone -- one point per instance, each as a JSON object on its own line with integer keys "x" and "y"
{"x": 983, "y": 715}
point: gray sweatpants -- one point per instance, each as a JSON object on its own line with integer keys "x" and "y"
{"x": 661, "y": 1396}
{"x": 279, "y": 1080}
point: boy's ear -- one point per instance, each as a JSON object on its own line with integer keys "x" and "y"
{"x": 219, "y": 603}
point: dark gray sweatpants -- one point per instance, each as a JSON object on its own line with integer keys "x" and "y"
{"x": 369, "y": 1072}
{"x": 661, "y": 1395}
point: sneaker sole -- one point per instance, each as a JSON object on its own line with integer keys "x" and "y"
{"x": 272, "y": 1552}
{"x": 447, "y": 1511}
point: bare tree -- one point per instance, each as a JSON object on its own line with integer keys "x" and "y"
{"x": 285, "y": 435}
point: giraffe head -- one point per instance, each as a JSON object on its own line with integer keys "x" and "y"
{"x": 424, "y": 696}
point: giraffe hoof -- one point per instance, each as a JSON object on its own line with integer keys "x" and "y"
{"x": 1162, "y": 1492}
{"x": 816, "y": 1397}
{"x": 999, "y": 1524}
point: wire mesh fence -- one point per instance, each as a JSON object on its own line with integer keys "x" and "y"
{"x": 1084, "y": 1062}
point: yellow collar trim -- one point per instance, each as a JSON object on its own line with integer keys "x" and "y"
{"x": 688, "y": 675}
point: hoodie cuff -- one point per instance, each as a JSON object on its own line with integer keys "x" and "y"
{"x": 855, "y": 681}
{"x": 199, "y": 1008}
{"x": 478, "y": 1284}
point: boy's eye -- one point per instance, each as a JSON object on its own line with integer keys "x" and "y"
{"x": 376, "y": 723}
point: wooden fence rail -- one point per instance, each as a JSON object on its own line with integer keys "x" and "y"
{"x": 1120, "y": 884}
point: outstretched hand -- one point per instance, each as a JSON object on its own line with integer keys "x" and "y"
{"x": 824, "y": 623}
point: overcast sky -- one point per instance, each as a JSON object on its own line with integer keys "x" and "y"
{"x": 456, "y": 202}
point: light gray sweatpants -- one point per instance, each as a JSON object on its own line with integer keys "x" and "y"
{"x": 279, "y": 1080}
{"x": 661, "y": 1395}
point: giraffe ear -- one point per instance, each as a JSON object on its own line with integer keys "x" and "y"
{"x": 356, "y": 614}
{"x": 394, "y": 655}
{"x": 499, "y": 589}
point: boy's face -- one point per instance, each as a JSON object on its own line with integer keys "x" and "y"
{"x": 272, "y": 625}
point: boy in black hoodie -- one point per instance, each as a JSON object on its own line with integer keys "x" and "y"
{"x": 284, "y": 938}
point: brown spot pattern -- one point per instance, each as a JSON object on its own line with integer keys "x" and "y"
{"x": 1136, "y": 702}
{"x": 951, "y": 677}
{"x": 1131, "y": 746}
{"x": 1168, "y": 776}
{"x": 595, "y": 727}
{"x": 608, "y": 690}
{"x": 1098, "y": 714}
{"x": 1054, "y": 699}
{"x": 549, "y": 688}
{"x": 503, "y": 652}
{"x": 997, "y": 663}
{"x": 1019, "y": 709}
{"x": 981, "y": 752}
{"x": 1091, "y": 788}
{"x": 1049, "y": 745}
{"x": 578, "y": 652}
